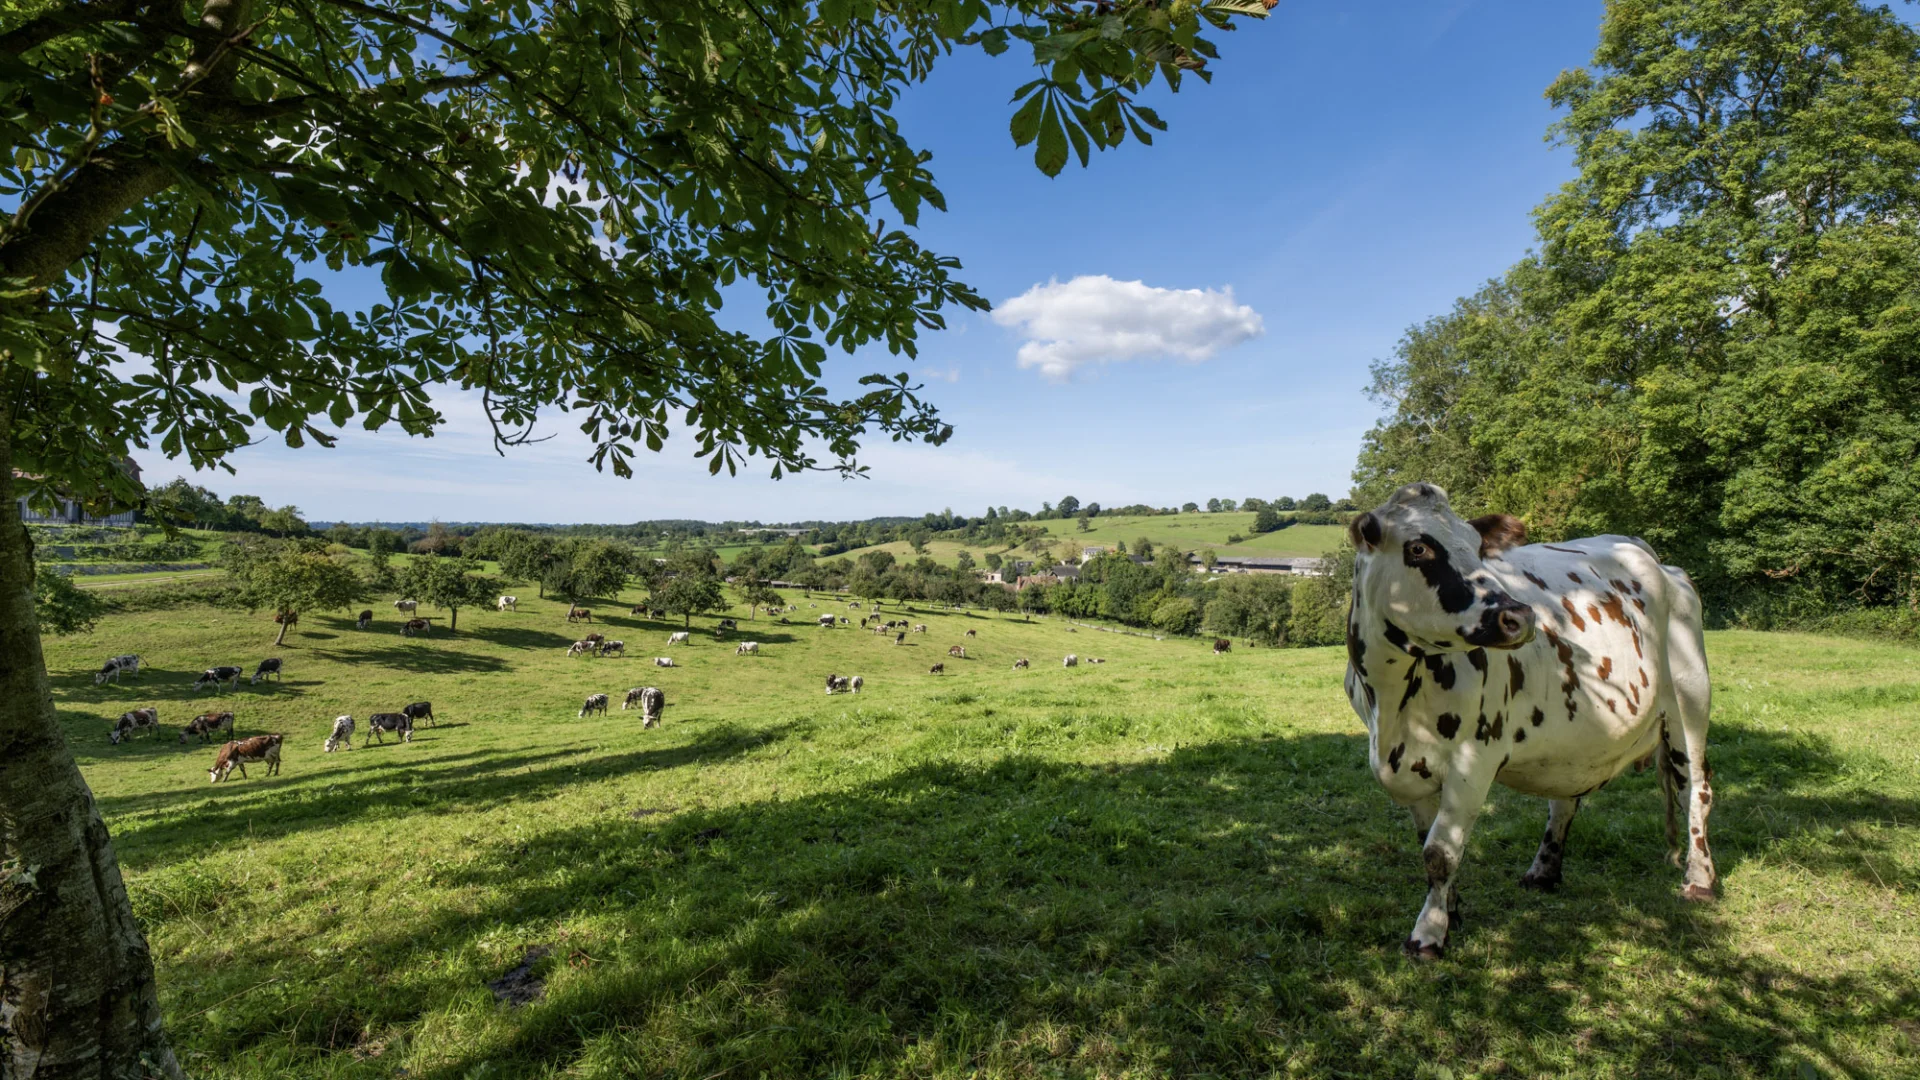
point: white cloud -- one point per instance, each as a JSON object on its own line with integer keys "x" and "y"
{"x": 951, "y": 375}
{"x": 1094, "y": 319}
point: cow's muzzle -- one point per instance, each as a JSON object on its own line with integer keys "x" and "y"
{"x": 1505, "y": 624}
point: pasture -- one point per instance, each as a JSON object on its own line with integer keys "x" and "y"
{"x": 1166, "y": 865}
{"x": 1195, "y": 532}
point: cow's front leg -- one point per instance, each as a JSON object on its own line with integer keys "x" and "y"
{"x": 1461, "y": 796}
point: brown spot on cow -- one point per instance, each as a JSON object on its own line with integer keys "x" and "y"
{"x": 1593, "y": 614}
{"x": 1615, "y": 609}
{"x": 1700, "y": 842}
{"x": 1635, "y": 582}
{"x": 1610, "y": 706}
{"x": 1618, "y": 585}
{"x": 1575, "y": 578}
{"x": 1643, "y": 678}
{"x": 1641, "y": 604}
{"x": 1606, "y": 666}
{"x": 1420, "y": 768}
{"x": 1535, "y": 578}
{"x": 1706, "y": 798}
{"x": 1578, "y": 622}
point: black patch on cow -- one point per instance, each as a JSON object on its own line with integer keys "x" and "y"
{"x": 1443, "y": 643}
{"x": 1442, "y": 670}
{"x": 1478, "y": 658}
{"x": 1516, "y": 675}
{"x": 1535, "y": 578}
{"x": 1396, "y": 637}
{"x": 1393, "y": 759}
{"x": 1519, "y": 735}
{"x": 1372, "y": 701}
{"x": 1420, "y": 767}
{"x": 1538, "y": 716}
{"x": 1365, "y": 528}
{"x": 1356, "y": 650}
{"x": 1413, "y": 687}
{"x": 1570, "y": 551}
{"x": 1448, "y": 723}
{"x": 1490, "y": 732}
{"x": 1456, "y": 594}
{"x": 1575, "y": 578}
{"x": 1439, "y": 866}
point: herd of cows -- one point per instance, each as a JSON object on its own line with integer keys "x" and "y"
{"x": 1473, "y": 658}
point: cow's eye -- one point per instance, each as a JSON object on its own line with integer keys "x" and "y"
{"x": 1418, "y": 551}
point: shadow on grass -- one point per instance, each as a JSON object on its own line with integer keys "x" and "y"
{"x": 393, "y": 787}
{"x": 1233, "y": 909}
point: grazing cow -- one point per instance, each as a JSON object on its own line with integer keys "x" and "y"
{"x": 958, "y": 652}
{"x": 663, "y": 661}
{"x": 607, "y": 648}
{"x": 838, "y": 683}
{"x": 637, "y": 609}
{"x": 421, "y": 710}
{"x": 397, "y": 722}
{"x": 269, "y": 667}
{"x": 844, "y": 621}
{"x": 653, "y": 704}
{"x": 726, "y": 624}
{"x": 579, "y": 648}
{"x": 919, "y": 628}
{"x": 578, "y": 614}
{"x": 594, "y": 639}
{"x": 678, "y": 637}
{"x": 1021, "y": 663}
{"x": 1221, "y": 645}
{"x": 1549, "y": 668}
{"x": 855, "y": 606}
{"x": 406, "y": 607}
{"x": 365, "y": 620}
{"x": 507, "y": 603}
{"x": 826, "y": 620}
{"x": 147, "y": 719}
{"x": 216, "y": 676}
{"x": 857, "y": 683}
{"x": 937, "y": 669}
{"x": 116, "y": 666}
{"x": 657, "y": 613}
{"x": 1070, "y": 661}
{"x": 416, "y": 626}
{"x": 973, "y": 633}
{"x": 288, "y": 618}
{"x": 236, "y": 755}
{"x": 595, "y": 703}
{"x": 342, "y": 735}
{"x": 1095, "y": 660}
{"x": 206, "y": 724}
{"x": 747, "y": 648}
{"x": 900, "y": 637}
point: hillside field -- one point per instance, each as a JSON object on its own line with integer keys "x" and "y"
{"x": 1167, "y": 865}
{"x": 1193, "y": 532}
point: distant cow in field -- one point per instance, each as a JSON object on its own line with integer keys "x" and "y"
{"x": 608, "y": 648}
{"x": 1070, "y": 661}
{"x": 726, "y": 624}
{"x": 838, "y": 683}
{"x": 416, "y": 626}
{"x": 216, "y": 676}
{"x": 656, "y": 613}
{"x": 1221, "y": 645}
{"x": 421, "y": 710}
{"x": 596, "y": 703}
{"x": 1021, "y": 663}
{"x": 919, "y": 628}
{"x": 958, "y": 652}
{"x": 365, "y": 620}
{"x": 678, "y": 637}
{"x": 206, "y": 724}
{"x": 973, "y": 633}
{"x": 637, "y": 609}
{"x": 580, "y": 648}
{"x": 1095, "y": 660}
{"x": 937, "y": 669}
{"x": 594, "y": 639}
{"x": 747, "y": 648}
{"x": 269, "y": 668}
{"x": 579, "y": 614}
{"x": 406, "y": 607}
{"x": 652, "y": 701}
{"x": 116, "y": 666}
{"x": 398, "y": 723}
{"x": 342, "y": 735}
{"x": 507, "y": 603}
{"x": 147, "y": 719}
{"x": 855, "y": 606}
{"x": 663, "y": 661}
{"x": 235, "y": 755}
{"x": 826, "y": 620}
{"x": 900, "y": 637}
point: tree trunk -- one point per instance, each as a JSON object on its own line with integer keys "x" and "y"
{"x": 453, "y": 623}
{"x": 77, "y": 995}
{"x": 282, "y": 638}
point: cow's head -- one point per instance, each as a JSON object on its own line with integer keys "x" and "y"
{"x": 1421, "y": 566}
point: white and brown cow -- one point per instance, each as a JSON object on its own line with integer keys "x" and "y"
{"x": 127, "y": 664}
{"x": 1549, "y": 668}
{"x": 236, "y": 755}
{"x": 147, "y": 719}
{"x": 415, "y": 626}
{"x": 206, "y": 725}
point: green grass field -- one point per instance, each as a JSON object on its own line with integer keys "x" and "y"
{"x": 1193, "y": 532}
{"x": 1168, "y": 865}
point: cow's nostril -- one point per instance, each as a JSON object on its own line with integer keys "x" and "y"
{"x": 1512, "y": 624}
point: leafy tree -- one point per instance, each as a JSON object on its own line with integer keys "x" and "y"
{"x": 1092, "y": 510}
{"x": 1209, "y": 558}
{"x": 917, "y": 539}
{"x": 1120, "y": 547}
{"x": 993, "y": 560}
{"x": 1316, "y": 502}
{"x": 756, "y": 596}
{"x": 1228, "y": 505}
{"x": 1266, "y": 520}
{"x": 689, "y": 586}
{"x": 1319, "y": 602}
{"x": 1257, "y": 607}
{"x": 1284, "y": 502}
{"x": 1083, "y": 523}
{"x": 1143, "y": 547}
{"x": 382, "y": 542}
{"x": 1189, "y": 508}
{"x": 964, "y": 561}
{"x": 1068, "y": 507}
{"x": 1344, "y": 505}
{"x": 1213, "y": 506}
{"x": 1177, "y": 615}
{"x": 541, "y": 232}
{"x": 290, "y": 577}
{"x": 448, "y": 582}
{"x": 60, "y": 606}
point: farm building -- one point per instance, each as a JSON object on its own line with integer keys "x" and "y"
{"x": 1250, "y": 564}
{"x": 70, "y": 511}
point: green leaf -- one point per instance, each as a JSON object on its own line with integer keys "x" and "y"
{"x": 1050, "y": 150}
{"x": 1026, "y": 120}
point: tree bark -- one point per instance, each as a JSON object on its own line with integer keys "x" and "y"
{"x": 282, "y": 637}
{"x": 77, "y": 994}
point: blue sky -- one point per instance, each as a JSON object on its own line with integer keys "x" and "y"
{"x": 1350, "y": 171}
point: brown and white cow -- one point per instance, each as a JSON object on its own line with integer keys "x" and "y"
{"x": 1549, "y": 668}
{"x": 415, "y": 626}
{"x": 206, "y": 725}
{"x": 938, "y": 669}
{"x": 147, "y": 719}
{"x": 1020, "y": 663}
{"x": 579, "y": 613}
{"x": 958, "y": 652}
{"x": 1221, "y": 645}
{"x": 236, "y": 755}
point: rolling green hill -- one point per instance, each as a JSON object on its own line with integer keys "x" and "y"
{"x": 1192, "y": 532}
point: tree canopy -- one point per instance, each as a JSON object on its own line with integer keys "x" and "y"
{"x": 449, "y": 583}
{"x": 290, "y": 577}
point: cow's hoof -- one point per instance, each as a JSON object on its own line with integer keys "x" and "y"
{"x": 1540, "y": 882}
{"x": 1698, "y": 894}
{"x": 1423, "y": 953}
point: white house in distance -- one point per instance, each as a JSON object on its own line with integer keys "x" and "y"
{"x": 70, "y": 512}
{"x": 1251, "y": 564}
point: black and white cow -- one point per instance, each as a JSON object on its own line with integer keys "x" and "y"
{"x": 147, "y": 719}
{"x": 826, "y": 620}
{"x": 839, "y": 684}
{"x": 365, "y": 620}
{"x": 1070, "y": 661}
{"x": 116, "y": 666}
{"x": 1021, "y": 663}
{"x": 217, "y": 675}
{"x": 342, "y": 735}
{"x": 206, "y": 725}
{"x": 608, "y": 648}
{"x": 399, "y": 723}
{"x": 596, "y": 703}
{"x": 269, "y": 668}
{"x": 652, "y": 701}
{"x": 421, "y": 710}
{"x": 1549, "y": 668}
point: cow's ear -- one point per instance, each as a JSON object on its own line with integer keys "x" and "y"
{"x": 1365, "y": 532}
{"x": 1498, "y": 532}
